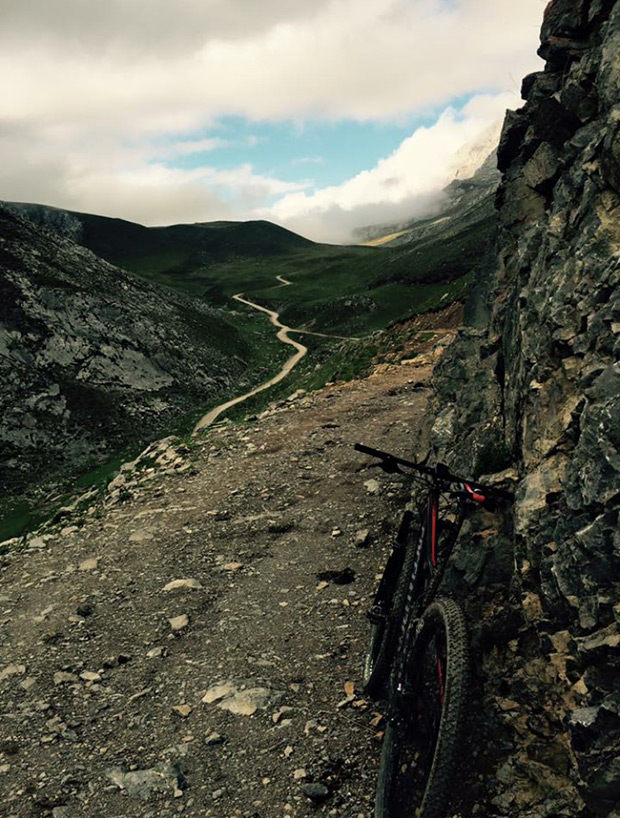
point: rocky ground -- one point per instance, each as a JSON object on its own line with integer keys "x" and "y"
{"x": 192, "y": 643}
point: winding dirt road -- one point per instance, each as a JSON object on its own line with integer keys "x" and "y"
{"x": 282, "y": 335}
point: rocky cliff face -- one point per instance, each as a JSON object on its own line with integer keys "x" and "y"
{"x": 62, "y": 222}
{"x": 537, "y": 392}
{"x": 93, "y": 360}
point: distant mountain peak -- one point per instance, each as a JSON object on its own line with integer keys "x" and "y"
{"x": 472, "y": 156}
{"x": 469, "y": 195}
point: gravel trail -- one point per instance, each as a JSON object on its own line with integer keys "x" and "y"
{"x": 193, "y": 644}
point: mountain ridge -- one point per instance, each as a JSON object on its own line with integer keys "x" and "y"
{"x": 120, "y": 241}
{"x": 338, "y": 289}
{"x": 475, "y": 167}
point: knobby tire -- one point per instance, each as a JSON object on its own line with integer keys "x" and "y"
{"x": 442, "y": 622}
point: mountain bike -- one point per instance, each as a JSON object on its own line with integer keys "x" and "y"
{"x": 418, "y": 657}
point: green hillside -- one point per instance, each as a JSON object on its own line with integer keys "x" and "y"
{"x": 213, "y": 347}
{"x": 338, "y": 289}
{"x": 96, "y": 362}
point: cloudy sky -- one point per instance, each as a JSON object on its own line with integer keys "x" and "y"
{"x": 321, "y": 115}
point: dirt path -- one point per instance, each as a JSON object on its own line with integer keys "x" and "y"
{"x": 222, "y": 694}
{"x": 282, "y": 335}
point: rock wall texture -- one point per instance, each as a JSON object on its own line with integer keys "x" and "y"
{"x": 93, "y": 360}
{"x": 537, "y": 392}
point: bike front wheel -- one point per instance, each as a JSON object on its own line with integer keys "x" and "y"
{"x": 427, "y": 713}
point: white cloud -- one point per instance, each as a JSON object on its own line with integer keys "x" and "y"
{"x": 403, "y": 185}
{"x": 129, "y": 181}
{"x": 155, "y": 194}
{"x": 93, "y": 93}
{"x": 143, "y": 26}
{"x": 188, "y": 147}
{"x": 349, "y": 58}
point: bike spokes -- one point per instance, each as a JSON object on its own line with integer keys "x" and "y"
{"x": 427, "y": 710}
{"x": 417, "y": 725}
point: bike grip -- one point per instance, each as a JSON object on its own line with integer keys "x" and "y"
{"x": 360, "y": 447}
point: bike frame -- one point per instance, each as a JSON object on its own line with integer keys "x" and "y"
{"x": 432, "y": 554}
{"x": 429, "y": 557}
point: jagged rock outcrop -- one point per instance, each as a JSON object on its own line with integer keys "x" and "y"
{"x": 63, "y": 223}
{"x": 92, "y": 359}
{"x": 538, "y": 392}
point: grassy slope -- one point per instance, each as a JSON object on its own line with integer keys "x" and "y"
{"x": 343, "y": 290}
{"x": 348, "y": 290}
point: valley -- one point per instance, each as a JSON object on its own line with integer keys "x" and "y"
{"x": 183, "y": 615}
{"x": 342, "y": 290}
{"x": 96, "y": 362}
{"x": 94, "y": 340}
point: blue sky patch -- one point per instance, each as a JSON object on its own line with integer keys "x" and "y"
{"x": 324, "y": 152}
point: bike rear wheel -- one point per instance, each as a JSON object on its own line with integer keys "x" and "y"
{"x": 384, "y": 634}
{"x": 426, "y": 719}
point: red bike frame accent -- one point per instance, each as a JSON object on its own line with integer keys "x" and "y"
{"x": 433, "y": 516}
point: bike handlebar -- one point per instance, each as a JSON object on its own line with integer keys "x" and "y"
{"x": 439, "y": 472}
